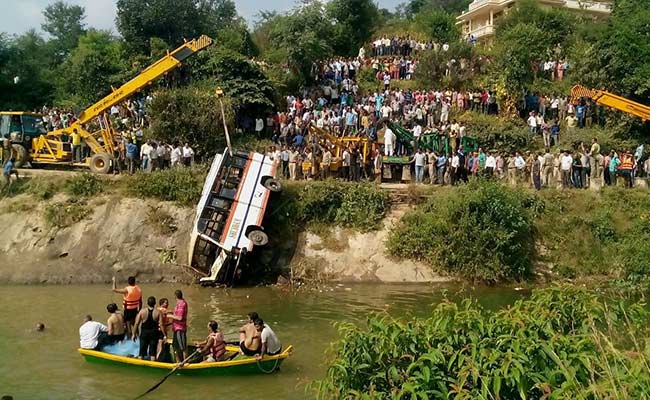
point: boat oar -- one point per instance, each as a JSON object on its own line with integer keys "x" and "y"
{"x": 154, "y": 387}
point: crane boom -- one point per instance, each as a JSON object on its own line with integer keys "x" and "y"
{"x": 154, "y": 71}
{"x": 611, "y": 100}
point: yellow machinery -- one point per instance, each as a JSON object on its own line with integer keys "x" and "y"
{"x": 610, "y": 100}
{"x": 93, "y": 124}
{"x": 340, "y": 144}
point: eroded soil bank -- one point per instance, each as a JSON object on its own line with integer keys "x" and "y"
{"x": 125, "y": 236}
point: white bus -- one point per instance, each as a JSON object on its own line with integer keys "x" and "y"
{"x": 229, "y": 216}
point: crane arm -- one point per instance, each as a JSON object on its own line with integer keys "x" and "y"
{"x": 611, "y": 100}
{"x": 154, "y": 71}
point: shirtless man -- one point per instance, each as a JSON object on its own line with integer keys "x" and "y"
{"x": 249, "y": 339}
{"x": 115, "y": 325}
{"x": 165, "y": 325}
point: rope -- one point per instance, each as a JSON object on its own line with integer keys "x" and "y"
{"x": 259, "y": 365}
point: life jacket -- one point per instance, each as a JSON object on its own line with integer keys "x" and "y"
{"x": 627, "y": 163}
{"x": 133, "y": 298}
{"x": 218, "y": 345}
{"x": 164, "y": 319}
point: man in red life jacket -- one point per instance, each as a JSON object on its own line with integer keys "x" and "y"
{"x": 132, "y": 302}
{"x": 214, "y": 346}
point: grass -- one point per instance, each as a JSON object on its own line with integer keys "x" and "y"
{"x": 65, "y": 214}
{"x": 162, "y": 221}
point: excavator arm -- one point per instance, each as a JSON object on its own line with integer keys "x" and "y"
{"x": 610, "y": 100}
{"x": 169, "y": 62}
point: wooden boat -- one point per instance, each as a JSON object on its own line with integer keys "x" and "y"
{"x": 237, "y": 365}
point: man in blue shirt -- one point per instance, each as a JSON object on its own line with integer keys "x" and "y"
{"x": 441, "y": 164}
{"x": 131, "y": 156}
{"x": 580, "y": 115}
{"x": 297, "y": 140}
{"x": 8, "y": 170}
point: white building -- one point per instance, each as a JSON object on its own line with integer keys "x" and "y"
{"x": 481, "y": 17}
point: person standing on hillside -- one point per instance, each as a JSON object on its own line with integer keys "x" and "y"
{"x": 179, "y": 326}
{"x": 132, "y": 301}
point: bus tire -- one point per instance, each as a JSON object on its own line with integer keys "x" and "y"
{"x": 20, "y": 155}
{"x": 272, "y": 184}
{"x": 100, "y": 163}
{"x": 258, "y": 237}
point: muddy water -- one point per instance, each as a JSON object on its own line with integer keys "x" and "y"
{"x": 47, "y": 366}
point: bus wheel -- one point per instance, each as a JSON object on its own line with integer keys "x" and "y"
{"x": 273, "y": 185}
{"x": 259, "y": 238}
{"x": 20, "y": 155}
{"x": 100, "y": 163}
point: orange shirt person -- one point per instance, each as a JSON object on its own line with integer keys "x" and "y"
{"x": 132, "y": 302}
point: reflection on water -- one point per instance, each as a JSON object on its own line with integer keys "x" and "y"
{"x": 46, "y": 365}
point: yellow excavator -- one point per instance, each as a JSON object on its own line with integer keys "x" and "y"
{"x": 31, "y": 142}
{"x": 610, "y": 100}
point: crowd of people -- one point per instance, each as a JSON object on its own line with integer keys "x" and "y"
{"x": 402, "y": 46}
{"x": 154, "y": 323}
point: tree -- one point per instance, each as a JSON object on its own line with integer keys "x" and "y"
{"x": 250, "y": 91}
{"x": 92, "y": 68}
{"x": 217, "y": 14}
{"x": 438, "y": 25}
{"x": 354, "y": 22}
{"x": 527, "y": 35}
{"x": 25, "y": 60}
{"x": 413, "y": 7}
{"x": 169, "y": 20}
{"x": 191, "y": 115}
{"x": 302, "y": 38}
{"x": 65, "y": 24}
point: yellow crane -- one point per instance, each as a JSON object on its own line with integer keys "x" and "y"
{"x": 340, "y": 144}
{"x": 610, "y": 100}
{"x": 93, "y": 124}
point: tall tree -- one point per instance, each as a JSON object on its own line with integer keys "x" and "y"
{"x": 354, "y": 21}
{"x": 65, "y": 24}
{"x": 26, "y": 80}
{"x": 216, "y": 14}
{"x": 438, "y": 25}
{"x": 411, "y": 8}
{"x": 169, "y": 20}
{"x": 92, "y": 68}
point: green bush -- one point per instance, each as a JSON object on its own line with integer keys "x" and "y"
{"x": 39, "y": 187}
{"x": 482, "y": 231}
{"x": 497, "y": 134}
{"x": 84, "y": 185}
{"x": 182, "y": 185}
{"x": 561, "y": 343}
{"x": 63, "y": 215}
{"x": 359, "y": 206}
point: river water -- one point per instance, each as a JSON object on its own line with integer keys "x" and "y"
{"x": 46, "y": 365}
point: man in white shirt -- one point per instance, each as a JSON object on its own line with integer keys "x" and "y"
{"x": 385, "y": 111}
{"x": 389, "y": 142}
{"x": 566, "y": 162}
{"x": 176, "y": 156}
{"x": 420, "y": 160}
{"x": 455, "y": 164}
{"x": 188, "y": 155}
{"x": 145, "y": 149}
{"x": 532, "y": 123}
{"x": 520, "y": 167}
{"x": 270, "y": 343}
{"x": 92, "y": 334}
{"x": 490, "y": 165}
{"x": 417, "y": 132}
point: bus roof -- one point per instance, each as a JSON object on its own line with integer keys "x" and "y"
{"x": 30, "y": 114}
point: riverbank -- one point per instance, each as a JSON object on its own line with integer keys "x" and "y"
{"x": 76, "y": 228}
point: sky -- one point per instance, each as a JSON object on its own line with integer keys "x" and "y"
{"x": 18, "y": 16}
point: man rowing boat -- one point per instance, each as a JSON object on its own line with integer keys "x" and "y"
{"x": 249, "y": 339}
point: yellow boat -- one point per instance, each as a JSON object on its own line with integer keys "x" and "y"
{"x": 237, "y": 365}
